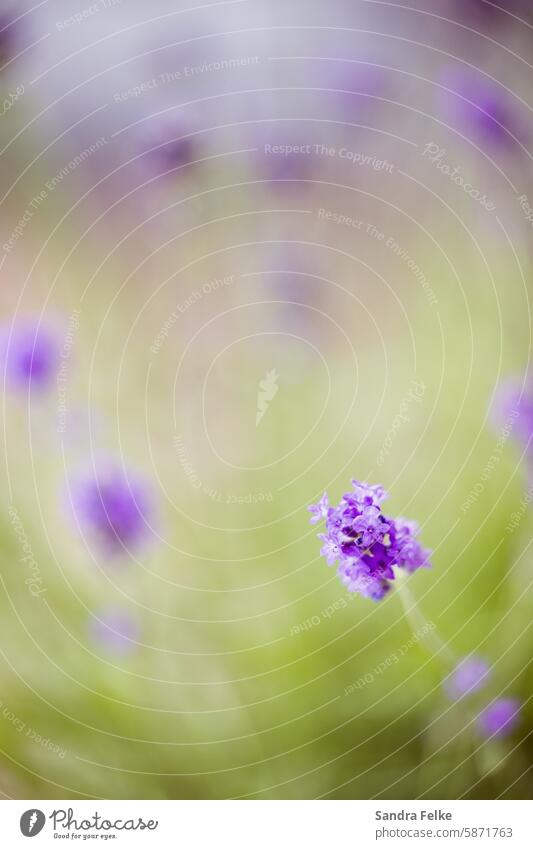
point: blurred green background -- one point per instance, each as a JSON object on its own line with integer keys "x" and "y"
{"x": 238, "y": 682}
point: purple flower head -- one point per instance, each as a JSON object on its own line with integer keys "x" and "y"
{"x": 358, "y": 578}
{"x": 115, "y": 631}
{"x": 408, "y": 551}
{"x": 366, "y": 543}
{"x": 30, "y": 354}
{"x": 371, "y": 525}
{"x": 470, "y": 675}
{"x": 500, "y": 718}
{"x": 512, "y": 410}
{"x": 363, "y": 493}
{"x": 113, "y": 507}
{"x": 473, "y": 104}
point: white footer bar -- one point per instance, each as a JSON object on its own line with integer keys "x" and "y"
{"x": 267, "y": 824}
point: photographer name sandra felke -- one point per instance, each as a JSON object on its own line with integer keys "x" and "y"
{"x": 416, "y": 816}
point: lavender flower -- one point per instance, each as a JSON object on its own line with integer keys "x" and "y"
{"x": 319, "y": 510}
{"x": 366, "y": 494}
{"x": 476, "y": 105}
{"x": 114, "y": 508}
{"x": 115, "y": 631}
{"x": 29, "y": 353}
{"x": 500, "y": 718}
{"x": 366, "y": 543}
{"x": 331, "y": 549}
{"x": 470, "y": 675}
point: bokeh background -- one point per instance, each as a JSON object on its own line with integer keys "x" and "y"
{"x": 266, "y": 247}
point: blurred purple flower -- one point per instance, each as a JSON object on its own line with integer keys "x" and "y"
{"x": 470, "y": 675}
{"x": 287, "y": 172}
{"x": 114, "y": 630}
{"x": 500, "y": 718}
{"x": 477, "y": 11}
{"x": 367, "y": 544}
{"x": 29, "y": 354}
{"x": 473, "y": 103}
{"x": 169, "y": 146}
{"x": 115, "y": 507}
{"x": 489, "y": 11}
{"x": 8, "y": 37}
{"x": 362, "y": 79}
{"x": 512, "y": 410}
{"x": 356, "y": 87}
{"x": 283, "y": 160}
